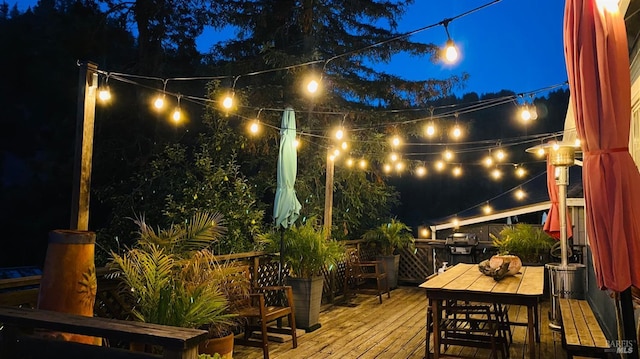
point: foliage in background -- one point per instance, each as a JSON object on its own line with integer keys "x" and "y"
{"x": 524, "y": 240}
{"x": 306, "y": 250}
{"x": 387, "y": 238}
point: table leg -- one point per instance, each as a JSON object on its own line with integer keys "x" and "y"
{"x": 436, "y": 312}
{"x": 531, "y": 331}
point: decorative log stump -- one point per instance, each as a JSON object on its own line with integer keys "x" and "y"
{"x": 69, "y": 278}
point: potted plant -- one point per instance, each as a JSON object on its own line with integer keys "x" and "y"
{"x": 171, "y": 277}
{"x": 529, "y": 243}
{"x": 387, "y": 239}
{"x": 306, "y": 252}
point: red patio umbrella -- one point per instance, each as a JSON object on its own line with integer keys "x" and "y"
{"x": 552, "y": 224}
{"x": 598, "y": 67}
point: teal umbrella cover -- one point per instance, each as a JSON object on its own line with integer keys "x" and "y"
{"x": 286, "y": 208}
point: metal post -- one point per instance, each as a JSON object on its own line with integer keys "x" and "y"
{"x": 562, "y": 181}
{"x": 87, "y": 88}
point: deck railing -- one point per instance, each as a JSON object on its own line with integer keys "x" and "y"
{"x": 414, "y": 267}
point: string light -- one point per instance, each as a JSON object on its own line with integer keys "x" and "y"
{"x": 520, "y": 171}
{"x": 520, "y": 194}
{"x": 430, "y": 130}
{"x": 424, "y": 232}
{"x": 496, "y": 174}
{"x": 387, "y": 168}
{"x": 440, "y": 165}
{"x": 339, "y": 133}
{"x": 395, "y": 142}
{"x": 158, "y": 103}
{"x": 500, "y": 155}
{"x": 393, "y": 157}
{"x": 363, "y": 164}
{"x": 448, "y": 155}
{"x": 457, "y": 171}
{"x": 421, "y": 171}
{"x": 350, "y": 162}
{"x": 450, "y": 50}
{"x": 488, "y": 161}
{"x": 254, "y": 127}
{"x": 104, "y": 93}
{"x": 487, "y": 209}
{"x": 399, "y": 166}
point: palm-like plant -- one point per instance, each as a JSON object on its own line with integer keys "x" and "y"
{"x": 389, "y": 237}
{"x": 524, "y": 240}
{"x": 306, "y": 250}
{"x": 172, "y": 277}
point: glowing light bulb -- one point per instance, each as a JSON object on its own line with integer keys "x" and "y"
{"x": 399, "y": 166}
{"x": 457, "y": 171}
{"x": 448, "y": 155}
{"x": 451, "y": 52}
{"x": 363, "y": 164}
{"x": 421, "y": 171}
{"x": 496, "y": 174}
{"x": 336, "y": 152}
{"x": 312, "y": 86}
{"x": 540, "y": 152}
{"x": 520, "y": 172}
{"x": 350, "y": 162}
{"x": 577, "y": 143}
{"x": 555, "y": 146}
{"x": 254, "y": 127}
{"x": 296, "y": 143}
{"x": 487, "y": 209}
{"x": 393, "y": 157}
{"x": 440, "y": 165}
{"x": 430, "y": 130}
{"x": 525, "y": 115}
{"x": 457, "y": 132}
{"x": 488, "y": 161}
{"x": 158, "y": 103}
{"x": 344, "y": 145}
{"x": 455, "y": 222}
{"x": 227, "y": 102}
{"x": 177, "y": 115}
{"x": 104, "y": 94}
{"x": 500, "y": 155}
{"x": 520, "y": 194}
{"x": 332, "y": 158}
{"x": 387, "y": 168}
{"x": 339, "y": 134}
{"x": 395, "y": 141}
{"x": 424, "y": 233}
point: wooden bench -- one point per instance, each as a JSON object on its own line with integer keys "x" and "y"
{"x": 581, "y": 332}
{"x": 17, "y": 339}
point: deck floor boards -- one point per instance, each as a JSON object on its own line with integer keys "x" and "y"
{"x": 394, "y": 329}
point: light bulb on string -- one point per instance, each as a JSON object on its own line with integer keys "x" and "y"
{"x": 227, "y": 103}
{"x": 158, "y": 103}
{"x": 447, "y": 155}
{"x": 525, "y": 114}
{"x": 350, "y": 162}
{"x": 457, "y": 171}
{"x": 344, "y": 146}
{"x": 500, "y": 155}
{"x": 520, "y": 194}
{"x": 488, "y": 161}
{"x": 486, "y": 209}
{"x": 393, "y": 157}
{"x": 450, "y": 51}
{"x": 430, "y": 130}
{"x": 439, "y": 165}
{"x": 399, "y": 166}
{"x": 177, "y": 113}
{"x": 395, "y": 142}
{"x": 520, "y": 171}
{"x": 296, "y": 143}
{"x": 339, "y": 134}
{"x": 496, "y": 174}
{"x": 363, "y": 164}
{"x": 104, "y": 93}
{"x": 254, "y": 127}
{"x": 421, "y": 171}
{"x": 386, "y": 168}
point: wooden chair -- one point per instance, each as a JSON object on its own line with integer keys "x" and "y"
{"x": 266, "y": 305}
{"x": 359, "y": 276}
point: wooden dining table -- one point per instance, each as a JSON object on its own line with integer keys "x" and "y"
{"x": 465, "y": 282}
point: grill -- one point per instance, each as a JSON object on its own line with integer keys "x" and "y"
{"x": 461, "y": 243}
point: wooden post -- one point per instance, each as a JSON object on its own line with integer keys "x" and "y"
{"x": 328, "y": 196}
{"x": 87, "y": 88}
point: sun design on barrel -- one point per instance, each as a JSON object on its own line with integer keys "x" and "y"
{"x": 88, "y": 287}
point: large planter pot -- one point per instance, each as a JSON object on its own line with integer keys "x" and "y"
{"x": 307, "y": 297}
{"x": 392, "y": 263}
{"x": 222, "y": 346}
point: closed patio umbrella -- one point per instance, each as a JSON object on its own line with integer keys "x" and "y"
{"x": 286, "y": 207}
{"x": 597, "y": 57}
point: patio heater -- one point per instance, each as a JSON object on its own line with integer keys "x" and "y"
{"x": 566, "y": 280}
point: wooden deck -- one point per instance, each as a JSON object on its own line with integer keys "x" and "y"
{"x": 393, "y": 329}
